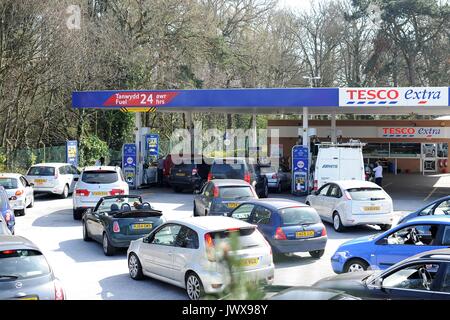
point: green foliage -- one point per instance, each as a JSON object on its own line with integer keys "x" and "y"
{"x": 91, "y": 149}
{"x": 2, "y": 161}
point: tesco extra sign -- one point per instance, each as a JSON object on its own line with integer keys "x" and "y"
{"x": 426, "y": 96}
{"x": 411, "y": 132}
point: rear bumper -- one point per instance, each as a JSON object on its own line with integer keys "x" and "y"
{"x": 264, "y": 275}
{"x": 300, "y": 245}
{"x": 123, "y": 241}
{"x": 86, "y": 203}
{"x": 52, "y": 190}
{"x": 186, "y": 184}
{"x": 18, "y": 204}
{"x": 368, "y": 218}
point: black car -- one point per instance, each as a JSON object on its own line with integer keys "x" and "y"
{"x": 189, "y": 176}
{"x": 247, "y": 169}
{"x": 423, "y": 276}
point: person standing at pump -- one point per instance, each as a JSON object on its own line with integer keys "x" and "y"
{"x": 378, "y": 170}
{"x": 160, "y": 171}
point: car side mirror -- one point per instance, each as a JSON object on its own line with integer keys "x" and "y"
{"x": 76, "y": 179}
{"x": 31, "y": 184}
{"x": 148, "y": 239}
{"x": 379, "y": 283}
{"x": 383, "y": 241}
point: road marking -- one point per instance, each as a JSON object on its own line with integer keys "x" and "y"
{"x": 429, "y": 195}
{"x": 386, "y": 185}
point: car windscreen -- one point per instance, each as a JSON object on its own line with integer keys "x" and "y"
{"x": 235, "y": 192}
{"x": 100, "y": 177}
{"x": 265, "y": 170}
{"x": 41, "y": 171}
{"x": 228, "y": 170}
{"x": 22, "y": 264}
{"x": 298, "y": 216}
{"x": 367, "y": 194}
{"x": 8, "y": 183}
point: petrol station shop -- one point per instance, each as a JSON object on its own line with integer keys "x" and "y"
{"x": 410, "y": 146}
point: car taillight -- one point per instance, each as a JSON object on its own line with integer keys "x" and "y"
{"x": 210, "y": 176}
{"x": 8, "y": 215}
{"x": 216, "y": 192}
{"x": 82, "y": 192}
{"x": 247, "y": 177}
{"x": 116, "y": 192}
{"x": 324, "y": 232}
{"x": 275, "y": 176}
{"x": 279, "y": 234}
{"x": 116, "y": 227}
{"x": 59, "y": 291}
{"x": 347, "y": 195}
{"x": 194, "y": 171}
{"x": 19, "y": 192}
{"x": 316, "y": 185}
{"x": 9, "y": 252}
{"x": 209, "y": 244}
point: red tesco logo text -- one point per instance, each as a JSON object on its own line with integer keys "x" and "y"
{"x": 371, "y": 94}
{"x": 399, "y": 131}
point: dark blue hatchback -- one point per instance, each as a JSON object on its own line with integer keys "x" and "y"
{"x": 6, "y": 211}
{"x": 289, "y": 226}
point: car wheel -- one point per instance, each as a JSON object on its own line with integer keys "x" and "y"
{"x": 356, "y": 265}
{"x": 65, "y": 192}
{"x": 31, "y": 205}
{"x": 265, "y": 193}
{"x": 108, "y": 249}
{"x": 77, "y": 213}
{"x": 317, "y": 253}
{"x": 195, "y": 211}
{"x": 385, "y": 227}
{"x": 279, "y": 188}
{"x": 135, "y": 267}
{"x": 337, "y": 223}
{"x": 307, "y": 203}
{"x": 85, "y": 232}
{"x": 21, "y": 212}
{"x": 194, "y": 287}
{"x": 206, "y": 213}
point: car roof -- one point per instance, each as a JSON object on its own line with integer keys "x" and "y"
{"x": 16, "y": 242}
{"x": 229, "y": 159}
{"x": 98, "y": 168}
{"x": 348, "y": 184}
{"x": 51, "y": 164}
{"x": 229, "y": 182}
{"x": 212, "y": 223}
{"x": 10, "y": 175}
{"x": 430, "y": 219}
{"x": 277, "y": 203}
{"x": 441, "y": 254}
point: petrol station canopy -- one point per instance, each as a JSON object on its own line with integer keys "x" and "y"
{"x": 389, "y": 100}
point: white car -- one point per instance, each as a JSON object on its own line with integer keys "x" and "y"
{"x": 20, "y": 192}
{"x": 184, "y": 253}
{"x": 97, "y": 182}
{"x": 352, "y": 202}
{"x": 53, "y": 178}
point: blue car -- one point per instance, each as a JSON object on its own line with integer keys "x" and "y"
{"x": 6, "y": 211}
{"x": 289, "y": 226}
{"x": 386, "y": 249}
{"x": 438, "y": 207}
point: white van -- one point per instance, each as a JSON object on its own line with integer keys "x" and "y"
{"x": 338, "y": 162}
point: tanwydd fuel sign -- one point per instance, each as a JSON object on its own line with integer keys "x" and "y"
{"x": 411, "y": 132}
{"x": 425, "y": 96}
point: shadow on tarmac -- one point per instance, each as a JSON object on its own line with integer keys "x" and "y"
{"x": 82, "y": 251}
{"x": 60, "y": 218}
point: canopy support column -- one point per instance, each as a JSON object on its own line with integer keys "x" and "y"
{"x": 333, "y": 127}
{"x": 138, "y": 142}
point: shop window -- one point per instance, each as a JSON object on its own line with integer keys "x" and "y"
{"x": 378, "y": 150}
{"x": 406, "y": 150}
{"x": 442, "y": 150}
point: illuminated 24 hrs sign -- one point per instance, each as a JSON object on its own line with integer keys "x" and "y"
{"x": 411, "y": 132}
{"x": 426, "y": 96}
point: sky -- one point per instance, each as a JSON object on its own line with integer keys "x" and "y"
{"x": 295, "y": 4}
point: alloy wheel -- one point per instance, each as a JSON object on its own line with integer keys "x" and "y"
{"x": 193, "y": 287}
{"x": 133, "y": 266}
{"x": 336, "y": 222}
{"x": 105, "y": 243}
{"x": 355, "y": 267}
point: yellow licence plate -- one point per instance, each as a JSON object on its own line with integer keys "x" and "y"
{"x": 142, "y": 226}
{"x": 304, "y": 234}
{"x": 372, "y": 208}
{"x": 40, "y": 181}
{"x": 232, "y": 205}
{"x": 100, "y": 193}
{"x": 250, "y": 262}
{"x": 181, "y": 174}
{"x": 29, "y": 298}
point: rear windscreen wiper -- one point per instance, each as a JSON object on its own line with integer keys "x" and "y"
{"x": 8, "y": 276}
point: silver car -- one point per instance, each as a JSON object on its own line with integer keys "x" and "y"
{"x": 25, "y": 273}
{"x": 278, "y": 177}
{"x": 20, "y": 192}
{"x": 184, "y": 253}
